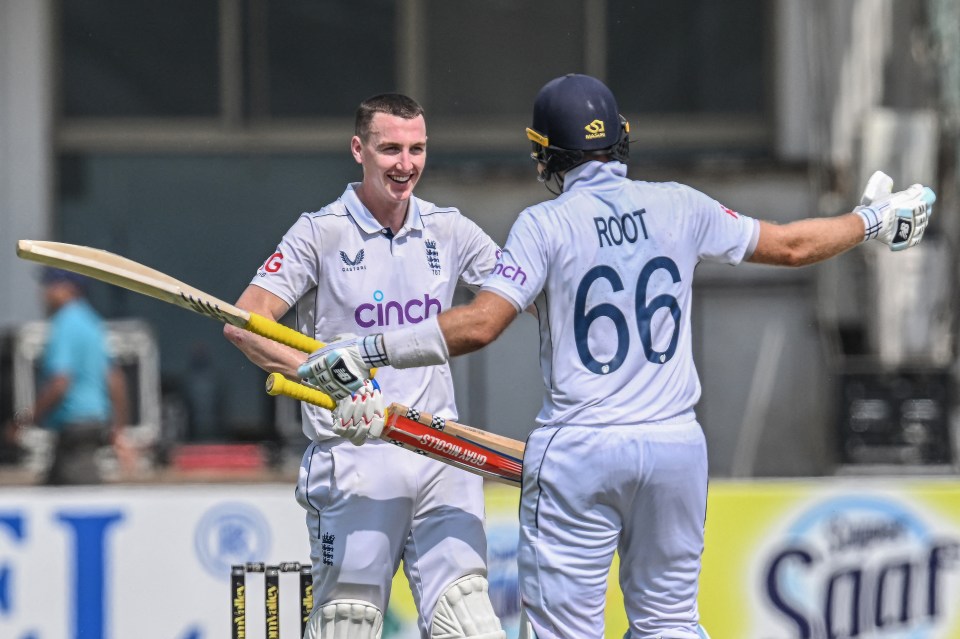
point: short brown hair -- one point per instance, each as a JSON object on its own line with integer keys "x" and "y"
{"x": 395, "y": 104}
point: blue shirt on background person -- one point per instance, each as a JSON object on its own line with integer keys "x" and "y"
{"x": 82, "y": 395}
{"x": 77, "y": 347}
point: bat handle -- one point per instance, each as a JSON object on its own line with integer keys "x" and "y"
{"x": 277, "y": 332}
{"x": 277, "y": 384}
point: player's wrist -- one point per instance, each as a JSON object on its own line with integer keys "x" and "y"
{"x": 872, "y": 221}
{"x": 372, "y": 350}
{"x": 420, "y": 344}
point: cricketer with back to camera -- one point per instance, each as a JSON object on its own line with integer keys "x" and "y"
{"x": 620, "y": 402}
{"x": 368, "y": 508}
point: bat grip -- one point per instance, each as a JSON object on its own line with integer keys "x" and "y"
{"x": 277, "y": 384}
{"x": 279, "y": 333}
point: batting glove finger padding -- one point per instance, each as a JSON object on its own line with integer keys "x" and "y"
{"x": 879, "y": 185}
{"x": 899, "y": 220}
{"x": 337, "y": 369}
{"x": 361, "y": 415}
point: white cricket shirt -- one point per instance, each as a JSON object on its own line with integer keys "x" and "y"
{"x": 609, "y": 264}
{"x": 344, "y": 273}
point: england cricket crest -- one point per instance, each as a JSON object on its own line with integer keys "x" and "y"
{"x": 433, "y": 256}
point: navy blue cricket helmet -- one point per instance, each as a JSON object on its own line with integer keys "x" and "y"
{"x": 575, "y": 117}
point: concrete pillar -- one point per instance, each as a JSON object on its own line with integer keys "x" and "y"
{"x": 26, "y": 149}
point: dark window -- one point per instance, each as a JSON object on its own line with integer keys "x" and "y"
{"x": 688, "y": 56}
{"x": 139, "y": 58}
{"x": 492, "y": 57}
{"x": 323, "y": 57}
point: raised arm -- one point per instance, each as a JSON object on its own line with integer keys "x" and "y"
{"x": 807, "y": 241}
{"x": 898, "y": 220}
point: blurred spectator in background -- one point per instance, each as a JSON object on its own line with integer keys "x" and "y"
{"x": 82, "y": 397}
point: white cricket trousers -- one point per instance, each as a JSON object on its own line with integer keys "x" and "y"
{"x": 370, "y": 506}
{"x": 588, "y": 491}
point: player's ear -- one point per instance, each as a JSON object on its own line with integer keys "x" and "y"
{"x": 356, "y": 145}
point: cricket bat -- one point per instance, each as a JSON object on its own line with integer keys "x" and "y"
{"x": 125, "y": 273}
{"x": 486, "y": 454}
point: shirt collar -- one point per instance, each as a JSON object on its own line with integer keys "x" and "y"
{"x": 594, "y": 173}
{"x": 369, "y": 224}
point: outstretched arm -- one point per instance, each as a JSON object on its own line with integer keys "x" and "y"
{"x": 807, "y": 241}
{"x": 472, "y": 326}
{"x": 899, "y": 220}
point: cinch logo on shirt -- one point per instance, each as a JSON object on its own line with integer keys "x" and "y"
{"x": 510, "y": 272}
{"x": 595, "y": 129}
{"x": 393, "y": 313}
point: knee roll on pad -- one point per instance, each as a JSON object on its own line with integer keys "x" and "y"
{"x": 465, "y": 612}
{"x": 345, "y": 619}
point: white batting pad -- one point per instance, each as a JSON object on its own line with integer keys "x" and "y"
{"x": 465, "y": 612}
{"x": 345, "y": 619}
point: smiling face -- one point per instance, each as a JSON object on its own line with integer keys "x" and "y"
{"x": 392, "y": 155}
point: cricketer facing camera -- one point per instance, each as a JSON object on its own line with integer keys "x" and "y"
{"x": 621, "y": 392}
{"x": 377, "y": 256}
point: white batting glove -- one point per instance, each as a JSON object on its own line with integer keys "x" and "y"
{"x": 878, "y": 186}
{"x": 899, "y": 220}
{"x": 361, "y": 415}
{"x": 337, "y": 369}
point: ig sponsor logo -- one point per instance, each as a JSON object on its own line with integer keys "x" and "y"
{"x": 273, "y": 264}
{"x": 862, "y": 567}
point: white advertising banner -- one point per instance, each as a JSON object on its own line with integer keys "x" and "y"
{"x": 143, "y": 562}
{"x": 816, "y": 559}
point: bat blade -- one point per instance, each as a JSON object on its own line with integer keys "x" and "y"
{"x": 463, "y": 453}
{"x": 126, "y": 273}
{"x": 486, "y": 454}
{"x": 485, "y": 439}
